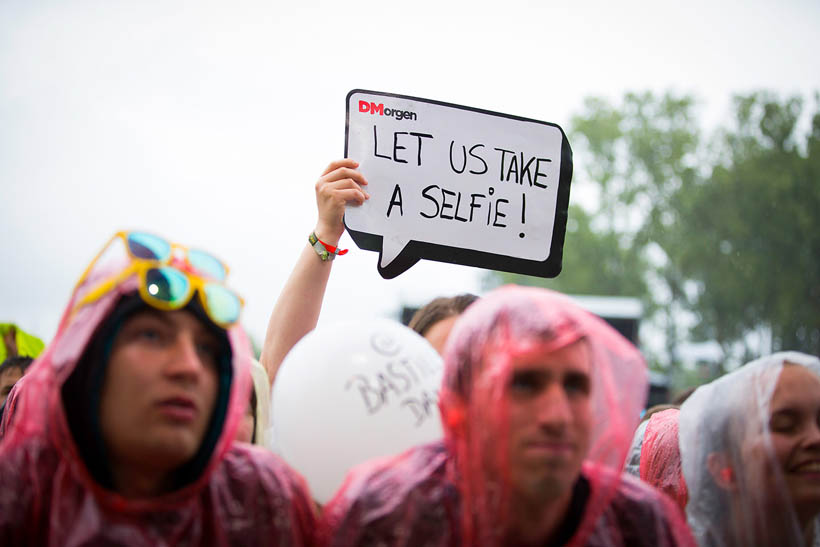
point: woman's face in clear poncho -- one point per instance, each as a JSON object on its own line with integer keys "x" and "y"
{"x": 550, "y": 420}
{"x": 794, "y": 424}
{"x": 791, "y": 445}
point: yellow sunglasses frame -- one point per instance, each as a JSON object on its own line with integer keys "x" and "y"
{"x": 123, "y": 235}
{"x": 140, "y": 266}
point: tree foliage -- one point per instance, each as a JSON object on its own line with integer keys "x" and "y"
{"x": 752, "y": 234}
{"x": 726, "y": 233}
{"x": 596, "y": 262}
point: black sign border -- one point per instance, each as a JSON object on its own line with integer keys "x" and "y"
{"x": 416, "y": 250}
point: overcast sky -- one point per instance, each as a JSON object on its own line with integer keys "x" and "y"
{"x": 210, "y": 122}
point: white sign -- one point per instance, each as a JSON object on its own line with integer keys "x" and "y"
{"x": 456, "y": 184}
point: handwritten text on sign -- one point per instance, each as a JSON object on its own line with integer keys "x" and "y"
{"x": 456, "y": 177}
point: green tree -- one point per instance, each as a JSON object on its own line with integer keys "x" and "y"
{"x": 636, "y": 155}
{"x": 726, "y": 234}
{"x": 749, "y": 234}
{"x": 596, "y": 262}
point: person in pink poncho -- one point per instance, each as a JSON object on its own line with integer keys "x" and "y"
{"x": 660, "y": 463}
{"x": 538, "y": 402}
{"x": 122, "y": 432}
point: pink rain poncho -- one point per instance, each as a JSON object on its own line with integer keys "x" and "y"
{"x": 660, "y": 463}
{"x": 236, "y": 494}
{"x": 750, "y": 448}
{"x": 458, "y": 491}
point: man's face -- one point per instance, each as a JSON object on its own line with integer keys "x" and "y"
{"x": 159, "y": 391}
{"x": 550, "y": 420}
{"x": 8, "y": 378}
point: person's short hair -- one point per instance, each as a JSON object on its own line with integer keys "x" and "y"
{"x": 438, "y": 309}
{"x": 16, "y": 362}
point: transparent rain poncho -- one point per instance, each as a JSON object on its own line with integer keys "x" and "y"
{"x": 750, "y": 449}
{"x": 261, "y": 384}
{"x": 633, "y": 458}
{"x": 240, "y": 495}
{"x": 458, "y": 491}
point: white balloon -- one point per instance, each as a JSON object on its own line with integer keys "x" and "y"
{"x": 350, "y": 392}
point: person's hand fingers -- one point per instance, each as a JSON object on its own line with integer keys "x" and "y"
{"x": 341, "y": 184}
{"x": 351, "y": 195}
{"x": 346, "y": 162}
{"x": 325, "y": 188}
{"x": 344, "y": 173}
{"x": 329, "y": 189}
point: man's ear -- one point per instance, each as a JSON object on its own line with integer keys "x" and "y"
{"x": 722, "y": 472}
{"x": 453, "y": 414}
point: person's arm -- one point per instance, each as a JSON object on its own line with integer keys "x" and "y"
{"x": 297, "y": 308}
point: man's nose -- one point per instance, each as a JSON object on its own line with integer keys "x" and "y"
{"x": 553, "y": 406}
{"x": 184, "y": 360}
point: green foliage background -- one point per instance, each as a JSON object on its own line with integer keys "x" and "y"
{"x": 719, "y": 236}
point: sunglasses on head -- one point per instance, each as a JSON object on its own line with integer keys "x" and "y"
{"x": 169, "y": 274}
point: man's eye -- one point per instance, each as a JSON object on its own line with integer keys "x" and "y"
{"x": 150, "y": 334}
{"x": 524, "y": 383}
{"x": 577, "y": 385}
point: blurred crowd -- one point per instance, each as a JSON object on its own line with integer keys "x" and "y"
{"x": 146, "y": 420}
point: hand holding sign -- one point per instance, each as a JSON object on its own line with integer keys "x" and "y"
{"x": 339, "y": 185}
{"x": 458, "y": 185}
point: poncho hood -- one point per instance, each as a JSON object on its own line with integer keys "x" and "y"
{"x": 726, "y": 424}
{"x": 62, "y": 501}
{"x": 660, "y": 463}
{"x": 514, "y": 321}
{"x": 44, "y": 384}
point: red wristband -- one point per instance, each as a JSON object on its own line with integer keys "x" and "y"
{"x": 326, "y": 252}
{"x": 331, "y": 248}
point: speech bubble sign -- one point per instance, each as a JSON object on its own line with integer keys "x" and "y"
{"x": 457, "y": 184}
